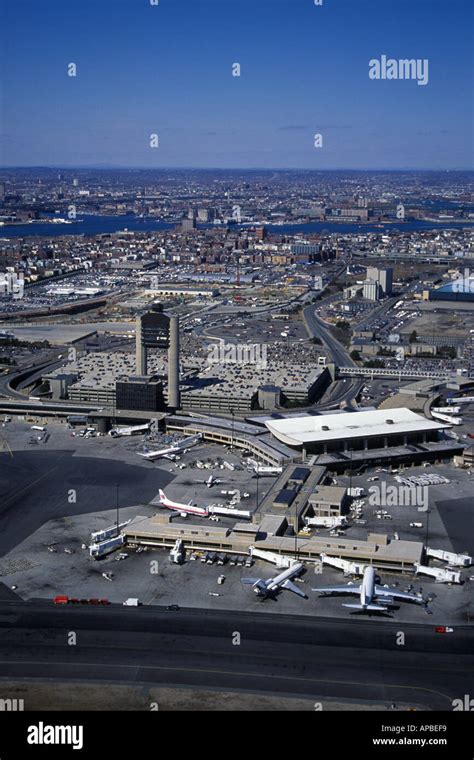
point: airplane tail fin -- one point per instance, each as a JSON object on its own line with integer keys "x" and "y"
{"x": 161, "y": 495}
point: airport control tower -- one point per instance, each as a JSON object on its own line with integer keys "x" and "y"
{"x": 154, "y": 329}
{"x": 173, "y": 364}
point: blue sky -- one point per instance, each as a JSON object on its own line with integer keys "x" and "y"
{"x": 143, "y": 69}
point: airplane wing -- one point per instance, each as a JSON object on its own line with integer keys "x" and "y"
{"x": 381, "y": 591}
{"x": 348, "y": 589}
{"x": 292, "y": 587}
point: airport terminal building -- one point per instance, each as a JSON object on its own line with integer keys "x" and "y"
{"x": 363, "y": 430}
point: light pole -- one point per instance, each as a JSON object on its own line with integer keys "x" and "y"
{"x": 350, "y": 474}
{"x": 296, "y": 529}
{"x": 117, "y": 506}
{"x": 427, "y": 528}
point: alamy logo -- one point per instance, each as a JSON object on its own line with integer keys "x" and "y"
{"x": 464, "y": 283}
{"x": 12, "y": 705}
{"x": 238, "y": 353}
{"x": 466, "y": 704}
{"x": 12, "y": 284}
{"x": 399, "y": 496}
{"x": 403, "y": 68}
{"x": 45, "y": 734}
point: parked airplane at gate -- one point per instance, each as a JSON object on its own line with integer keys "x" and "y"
{"x": 211, "y": 481}
{"x": 265, "y": 588}
{"x": 260, "y": 469}
{"x": 183, "y": 509}
{"x": 369, "y": 592}
{"x": 132, "y": 430}
{"x": 171, "y": 451}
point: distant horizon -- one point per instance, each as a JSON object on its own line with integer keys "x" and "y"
{"x": 55, "y": 167}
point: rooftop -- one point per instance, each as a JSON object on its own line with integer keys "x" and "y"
{"x": 332, "y": 427}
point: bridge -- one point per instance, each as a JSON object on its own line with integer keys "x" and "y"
{"x": 400, "y": 374}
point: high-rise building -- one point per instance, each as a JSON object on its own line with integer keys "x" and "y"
{"x": 383, "y": 276}
{"x": 140, "y": 393}
{"x": 188, "y": 224}
{"x": 371, "y": 290}
{"x": 2, "y": 191}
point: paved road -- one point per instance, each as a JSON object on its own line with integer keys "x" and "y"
{"x": 340, "y": 390}
{"x": 277, "y": 654}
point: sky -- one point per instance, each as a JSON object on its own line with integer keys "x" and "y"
{"x": 166, "y": 70}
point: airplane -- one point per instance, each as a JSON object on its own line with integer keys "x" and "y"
{"x": 183, "y": 509}
{"x": 132, "y": 430}
{"x": 369, "y": 592}
{"x": 260, "y": 469}
{"x": 211, "y": 481}
{"x": 169, "y": 453}
{"x": 265, "y": 588}
{"x": 263, "y": 471}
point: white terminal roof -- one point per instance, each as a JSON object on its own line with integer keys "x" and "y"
{"x": 350, "y": 425}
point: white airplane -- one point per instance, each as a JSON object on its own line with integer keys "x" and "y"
{"x": 265, "y": 588}
{"x": 132, "y": 430}
{"x": 261, "y": 469}
{"x": 171, "y": 451}
{"x": 211, "y": 481}
{"x": 369, "y": 592}
{"x": 183, "y": 509}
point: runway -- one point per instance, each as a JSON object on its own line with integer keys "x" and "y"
{"x": 275, "y": 654}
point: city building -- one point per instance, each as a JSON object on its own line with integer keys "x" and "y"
{"x": 371, "y": 290}
{"x": 384, "y": 277}
{"x": 140, "y": 393}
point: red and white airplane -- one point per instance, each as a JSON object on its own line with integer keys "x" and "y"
{"x": 183, "y": 509}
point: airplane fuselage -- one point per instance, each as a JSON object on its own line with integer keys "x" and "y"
{"x": 176, "y": 506}
{"x": 367, "y": 587}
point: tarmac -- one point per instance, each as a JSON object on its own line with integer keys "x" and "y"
{"x": 54, "y": 494}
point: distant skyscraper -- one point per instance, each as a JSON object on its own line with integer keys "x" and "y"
{"x": 371, "y": 290}
{"x": 188, "y": 224}
{"x": 2, "y": 191}
{"x": 75, "y": 182}
{"x": 383, "y": 276}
